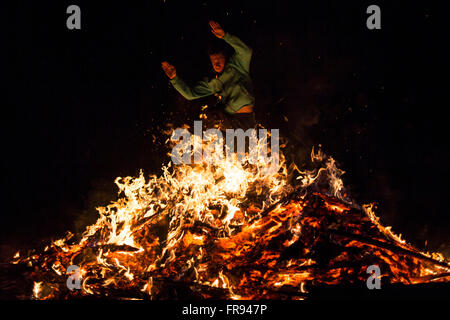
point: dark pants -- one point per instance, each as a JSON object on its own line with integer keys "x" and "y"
{"x": 220, "y": 119}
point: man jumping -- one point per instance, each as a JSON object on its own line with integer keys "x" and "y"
{"x": 232, "y": 84}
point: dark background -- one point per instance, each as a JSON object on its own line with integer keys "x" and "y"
{"x": 85, "y": 106}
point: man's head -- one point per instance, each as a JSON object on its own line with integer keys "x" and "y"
{"x": 218, "y": 61}
{"x": 218, "y": 56}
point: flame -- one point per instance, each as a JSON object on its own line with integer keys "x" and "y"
{"x": 229, "y": 228}
{"x": 37, "y": 289}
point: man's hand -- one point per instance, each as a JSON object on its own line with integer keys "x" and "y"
{"x": 216, "y": 29}
{"x": 169, "y": 69}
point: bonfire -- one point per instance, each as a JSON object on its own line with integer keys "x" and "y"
{"x": 226, "y": 230}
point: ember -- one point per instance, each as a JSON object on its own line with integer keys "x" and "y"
{"x": 224, "y": 230}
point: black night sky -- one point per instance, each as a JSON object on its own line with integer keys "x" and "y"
{"x": 83, "y": 105}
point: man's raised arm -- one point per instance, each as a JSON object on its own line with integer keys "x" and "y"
{"x": 243, "y": 53}
{"x": 201, "y": 89}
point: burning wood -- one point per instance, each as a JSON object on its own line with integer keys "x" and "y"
{"x": 223, "y": 230}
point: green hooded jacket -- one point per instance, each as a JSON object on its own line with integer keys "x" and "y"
{"x": 234, "y": 84}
